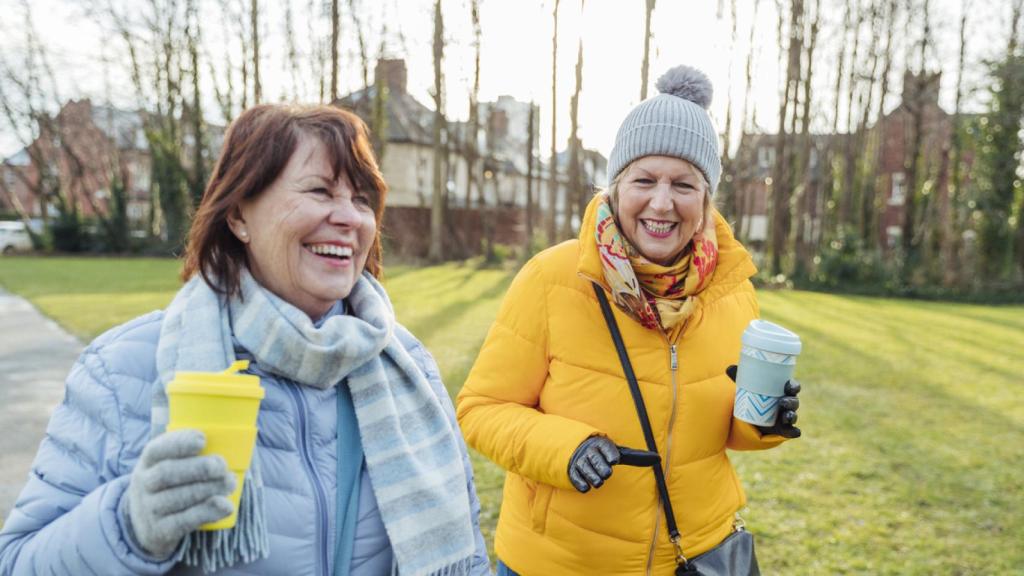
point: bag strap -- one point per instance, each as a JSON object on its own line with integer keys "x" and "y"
{"x": 645, "y": 423}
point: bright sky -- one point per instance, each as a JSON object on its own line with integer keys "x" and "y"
{"x": 516, "y": 52}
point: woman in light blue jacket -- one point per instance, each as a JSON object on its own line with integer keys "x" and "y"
{"x": 359, "y": 468}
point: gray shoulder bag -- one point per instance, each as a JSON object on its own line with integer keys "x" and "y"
{"x": 734, "y": 556}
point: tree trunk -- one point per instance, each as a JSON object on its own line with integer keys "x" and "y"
{"x": 726, "y": 186}
{"x": 804, "y": 193}
{"x": 530, "y": 139}
{"x": 575, "y": 190}
{"x": 257, "y": 87}
{"x": 846, "y": 200}
{"x": 645, "y": 67}
{"x": 471, "y": 144}
{"x": 552, "y": 217}
{"x": 335, "y": 35}
{"x": 862, "y": 164}
{"x": 913, "y": 159}
{"x": 874, "y": 237}
{"x": 198, "y": 179}
{"x": 436, "y": 253}
{"x": 748, "y": 126}
{"x": 950, "y": 244}
{"x": 781, "y": 193}
{"x": 364, "y": 55}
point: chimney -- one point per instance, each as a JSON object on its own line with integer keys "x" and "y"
{"x": 923, "y": 88}
{"x": 393, "y": 72}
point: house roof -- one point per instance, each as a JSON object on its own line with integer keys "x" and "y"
{"x": 407, "y": 119}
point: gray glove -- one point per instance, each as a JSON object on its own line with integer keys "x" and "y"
{"x": 591, "y": 463}
{"x": 173, "y": 491}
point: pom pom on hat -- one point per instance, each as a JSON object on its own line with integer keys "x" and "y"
{"x": 673, "y": 123}
{"x": 687, "y": 83}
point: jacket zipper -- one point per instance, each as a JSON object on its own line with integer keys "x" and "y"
{"x": 314, "y": 478}
{"x": 673, "y": 359}
{"x": 673, "y": 364}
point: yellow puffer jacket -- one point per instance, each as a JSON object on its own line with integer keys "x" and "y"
{"x": 548, "y": 377}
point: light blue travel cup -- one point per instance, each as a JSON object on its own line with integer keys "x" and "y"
{"x": 767, "y": 359}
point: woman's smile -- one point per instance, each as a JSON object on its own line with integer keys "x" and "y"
{"x": 658, "y": 228}
{"x": 333, "y": 255}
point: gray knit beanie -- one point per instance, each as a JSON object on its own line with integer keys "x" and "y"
{"x": 673, "y": 123}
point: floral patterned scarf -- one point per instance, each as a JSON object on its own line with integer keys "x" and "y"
{"x": 658, "y": 297}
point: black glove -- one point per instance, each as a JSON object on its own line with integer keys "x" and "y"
{"x": 788, "y": 406}
{"x": 591, "y": 463}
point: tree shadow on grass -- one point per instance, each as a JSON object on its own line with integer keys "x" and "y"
{"x": 429, "y": 282}
{"x": 425, "y": 327}
{"x": 924, "y": 339}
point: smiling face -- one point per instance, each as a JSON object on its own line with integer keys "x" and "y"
{"x": 661, "y": 202}
{"x": 307, "y": 236}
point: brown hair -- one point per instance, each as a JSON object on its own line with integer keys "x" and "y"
{"x": 256, "y": 149}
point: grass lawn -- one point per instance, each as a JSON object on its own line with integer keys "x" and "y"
{"x": 913, "y": 412}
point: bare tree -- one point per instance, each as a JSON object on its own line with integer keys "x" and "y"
{"x": 958, "y": 209}
{"x": 197, "y": 178}
{"x": 472, "y": 136}
{"x": 364, "y": 55}
{"x": 858, "y": 164}
{"x": 254, "y": 25}
{"x": 915, "y": 150}
{"x": 335, "y": 35}
{"x": 726, "y": 189}
{"x": 741, "y": 211}
{"x": 379, "y": 118}
{"x": 846, "y": 199}
{"x": 874, "y": 190}
{"x": 552, "y": 217}
{"x": 781, "y": 192}
{"x": 645, "y": 67}
{"x": 806, "y": 188}
{"x": 292, "y": 62}
{"x": 436, "y": 252}
{"x": 574, "y": 196}
{"x": 531, "y": 132}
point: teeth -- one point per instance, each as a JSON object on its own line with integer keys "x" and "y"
{"x": 331, "y": 250}
{"x": 658, "y": 227}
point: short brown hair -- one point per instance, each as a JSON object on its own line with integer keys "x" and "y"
{"x": 256, "y": 149}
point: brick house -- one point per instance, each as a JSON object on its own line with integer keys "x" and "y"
{"x": 888, "y": 139}
{"x": 97, "y": 144}
{"x": 407, "y": 165}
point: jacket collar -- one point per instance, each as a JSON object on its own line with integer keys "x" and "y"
{"x": 734, "y": 262}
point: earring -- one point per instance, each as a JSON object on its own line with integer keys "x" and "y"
{"x": 243, "y": 234}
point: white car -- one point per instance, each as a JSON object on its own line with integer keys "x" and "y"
{"x": 14, "y": 237}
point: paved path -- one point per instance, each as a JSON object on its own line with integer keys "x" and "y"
{"x": 35, "y": 357}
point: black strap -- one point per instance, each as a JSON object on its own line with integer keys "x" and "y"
{"x": 641, "y": 409}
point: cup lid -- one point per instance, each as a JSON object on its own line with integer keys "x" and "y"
{"x": 771, "y": 337}
{"x": 226, "y": 383}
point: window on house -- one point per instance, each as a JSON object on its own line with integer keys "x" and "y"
{"x": 765, "y": 156}
{"x": 893, "y": 234}
{"x": 899, "y": 189}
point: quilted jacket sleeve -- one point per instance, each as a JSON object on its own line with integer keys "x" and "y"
{"x": 65, "y": 520}
{"x": 481, "y": 562}
{"x": 498, "y": 406}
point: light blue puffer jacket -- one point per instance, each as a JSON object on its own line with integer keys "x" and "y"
{"x": 65, "y": 520}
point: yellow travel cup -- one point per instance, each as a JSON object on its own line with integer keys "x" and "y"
{"x": 224, "y": 406}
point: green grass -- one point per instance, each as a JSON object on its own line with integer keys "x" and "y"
{"x": 913, "y": 412}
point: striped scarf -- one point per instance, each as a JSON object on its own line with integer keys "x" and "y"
{"x": 411, "y": 449}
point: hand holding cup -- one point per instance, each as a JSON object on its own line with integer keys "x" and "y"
{"x": 786, "y": 416}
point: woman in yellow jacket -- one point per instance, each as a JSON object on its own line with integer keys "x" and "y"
{"x": 547, "y": 400}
